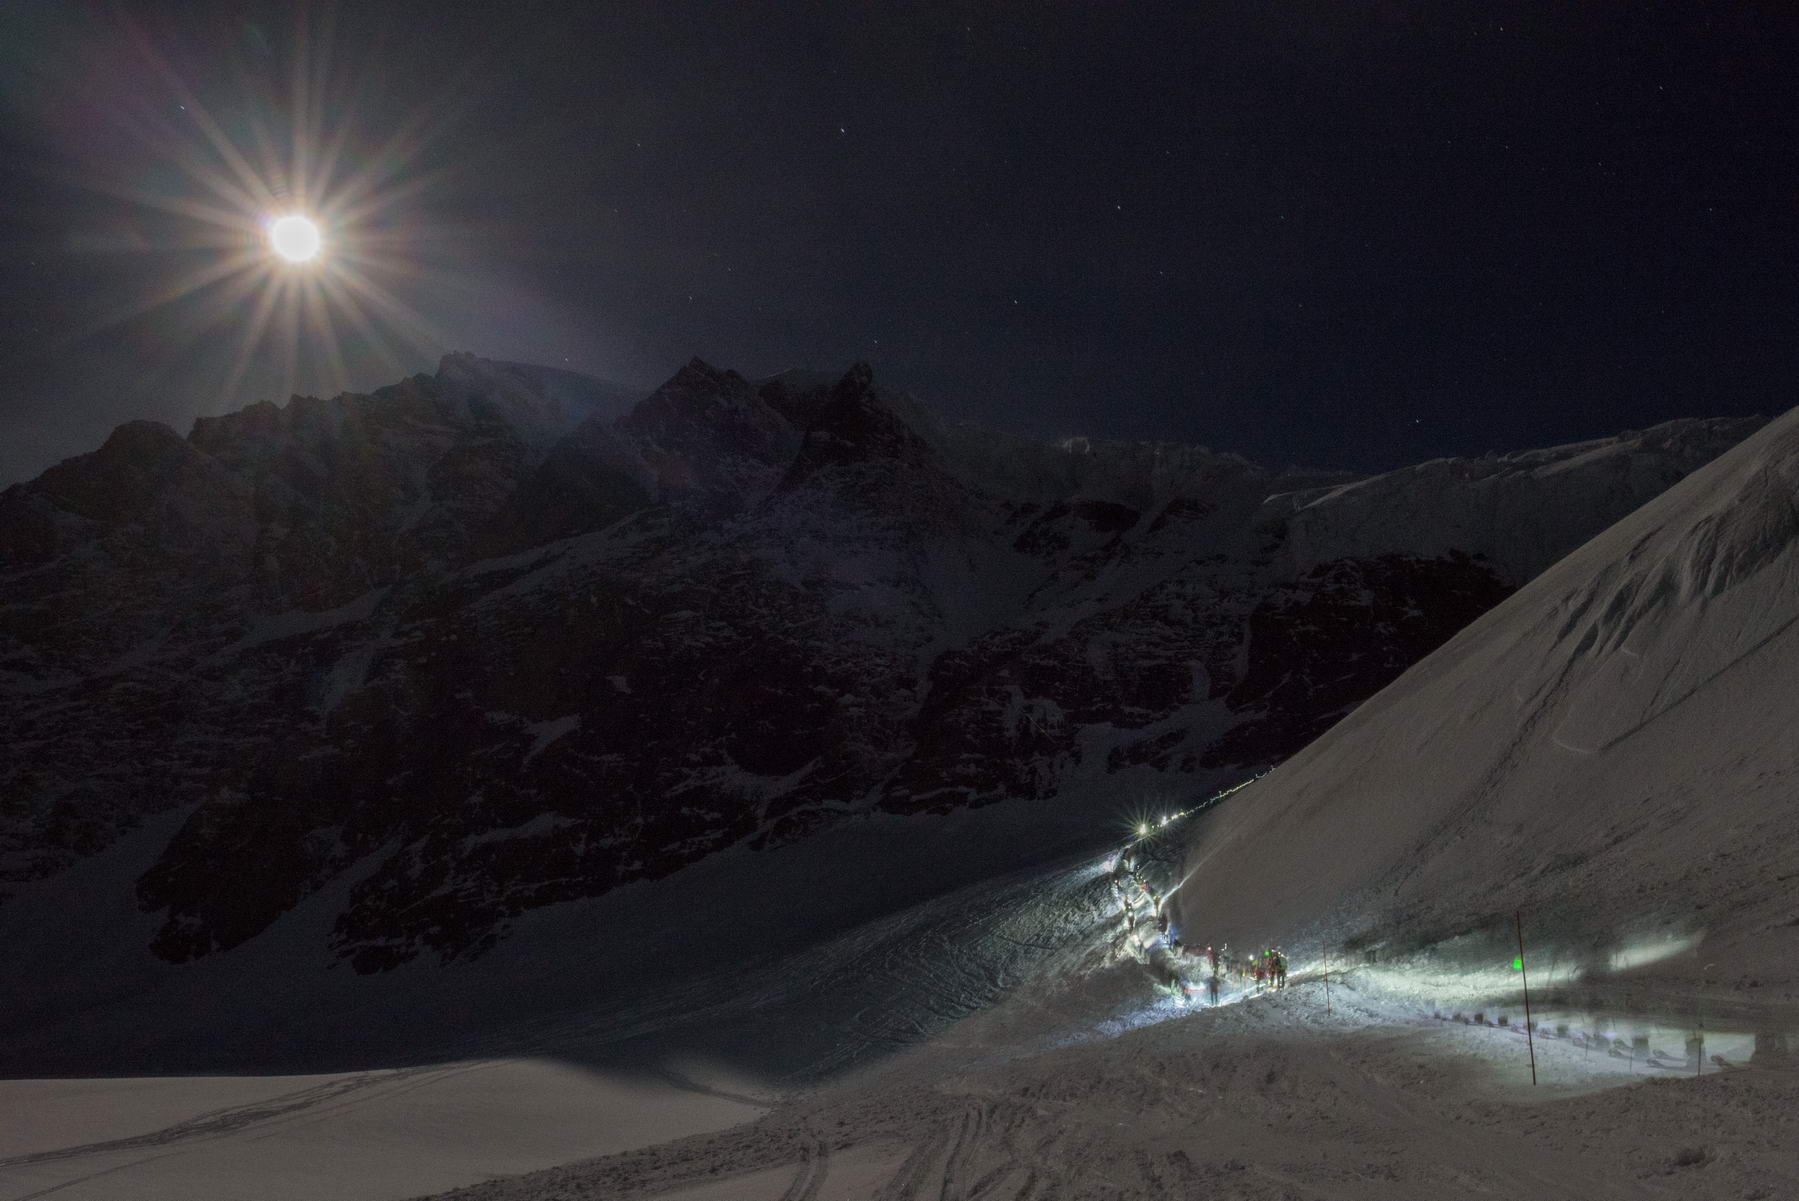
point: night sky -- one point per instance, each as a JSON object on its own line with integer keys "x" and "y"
{"x": 1342, "y": 234}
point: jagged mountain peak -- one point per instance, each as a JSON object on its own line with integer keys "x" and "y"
{"x": 467, "y": 394}
{"x": 135, "y": 456}
{"x": 855, "y": 426}
{"x": 712, "y": 442}
{"x": 376, "y": 634}
{"x": 803, "y": 395}
{"x": 701, "y": 394}
{"x": 854, "y": 384}
{"x": 141, "y": 437}
{"x": 144, "y": 487}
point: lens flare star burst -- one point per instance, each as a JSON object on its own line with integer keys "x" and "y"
{"x": 292, "y": 226}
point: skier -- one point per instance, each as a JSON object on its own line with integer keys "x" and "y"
{"x": 1280, "y": 968}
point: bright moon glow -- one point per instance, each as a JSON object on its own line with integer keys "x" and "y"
{"x": 294, "y": 238}
{"x": 265, "y": 206}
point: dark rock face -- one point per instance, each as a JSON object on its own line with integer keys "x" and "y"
{"x": 473, "y": 648}
{"x": 588, "y": 480}
{"x": 1323, "y": 644}
{"x": 711, "y": 441}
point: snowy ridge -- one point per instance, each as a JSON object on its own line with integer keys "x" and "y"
{"x": 1529, "y": 508}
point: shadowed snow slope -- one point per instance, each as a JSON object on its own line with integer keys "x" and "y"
{"x": 1611, "y": 750}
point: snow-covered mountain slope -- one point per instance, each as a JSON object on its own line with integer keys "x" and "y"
{"x": 1614, "y": 751}
{"x": 660, "y": 1011}
{"x": 471, "y": 646}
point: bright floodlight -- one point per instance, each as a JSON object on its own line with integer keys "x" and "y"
{"x": 294, "y": 238}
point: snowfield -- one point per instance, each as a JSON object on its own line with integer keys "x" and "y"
{"x": 1000, "y": 1041}
{"x": 366, "y": 1134}
{"x": 1270, "y": 1098}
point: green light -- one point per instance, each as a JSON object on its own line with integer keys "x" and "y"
{"x": 1518, "y": 963}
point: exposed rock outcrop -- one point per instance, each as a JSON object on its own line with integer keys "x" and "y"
{"x": 479, "y": 647}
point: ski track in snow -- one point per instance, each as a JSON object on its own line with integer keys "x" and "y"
{"x": 309, "y": 1103}
{"x": 227, "y": 1121}
{"x": 364, "y": 1135}
{"x": 993, "y": 1045}
{"x": 1053, "y": 1069}
{"x": 1267, "y": 1099}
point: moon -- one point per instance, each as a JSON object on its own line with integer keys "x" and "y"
{"x": 294, "y": 238}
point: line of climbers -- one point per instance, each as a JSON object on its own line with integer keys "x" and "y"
{"x": 1265, "y": 969}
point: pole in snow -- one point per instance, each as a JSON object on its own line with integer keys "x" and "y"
{"x": 1529, "y": 1033}
{"x": 1699, "y": 1023}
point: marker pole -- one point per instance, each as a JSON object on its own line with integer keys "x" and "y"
{"x": 1529, "y": 1033}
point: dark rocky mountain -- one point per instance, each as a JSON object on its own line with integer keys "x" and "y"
{"x": 469, "y": 645}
